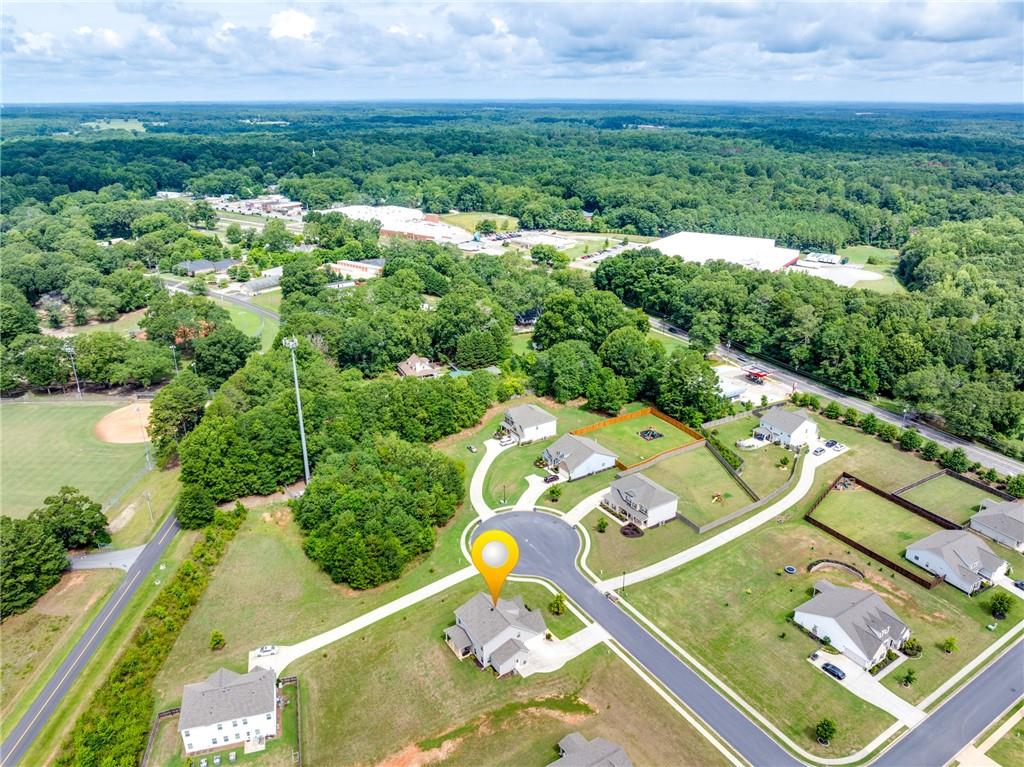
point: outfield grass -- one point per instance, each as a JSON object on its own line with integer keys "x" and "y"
{"x": 44, "y": 445}
{"x": 696, "y": 476}
{"x": 948, "y": 497}
{"x": 873, "y": 521}
{"x": 469, "y": 220}
{"x": 623, "y": 438}
{"x": 269, "y": 300}
{"x": 250, "y": 323}
{"x": 761, "y": 468}
{"x": 436, "y": 705}
{"x": 35, "y": 642}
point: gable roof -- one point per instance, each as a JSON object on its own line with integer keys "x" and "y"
{"x": 415, "y": 365}
{"x": 787, "y": 421}
{"x": 961, "y": 551}
{"x": 1005, "y": 517}
{"x": 862, "y": 614}
{"x": 636, "y": 489}
{"x": 199, "y": 263}
{"x": 526, "y": 416}
{"x": 577, "y": 751}
{"x": 225, "y": 695}
{"x": 574, "y": 450}
{"x": 507, "y": 651}
{"x": 484, "y": 621}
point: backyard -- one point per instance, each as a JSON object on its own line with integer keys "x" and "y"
{"x": 706, "y": 490}
{"x": 761, "y": 467}
{"x": 439, "y": 708}
{"x": 948, "y": 497}
{"x": 623, "y": 438}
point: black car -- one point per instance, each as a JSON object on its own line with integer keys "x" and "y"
{"x": 832, "y": 670}
{"x": 551, "y": 478}
{"x": 831, "y": 443}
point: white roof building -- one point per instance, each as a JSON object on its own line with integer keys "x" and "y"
{"x": 751, "y": 252}
{"x": 413, "y": 224}
{"x": 530, "y": 423}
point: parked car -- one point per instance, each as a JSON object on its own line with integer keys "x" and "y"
{"x": 838, "y": 446}
{"x": 266, "y": 650}
{"x": 819, "y": 450}
{"x": 471, "y": 448}
{"x": 612, "y": 596}
{"x": 833, "y": 670}
{"x": 1019, "y": 585}
{"x": 831, "y": 443}
{"x": 551, "y": 478}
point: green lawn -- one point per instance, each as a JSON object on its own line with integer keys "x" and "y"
{"x": 730, "y": 609}
{"x": 623, "y": 438}
{"x": 886, "y": 260}
{"x": 611, "y": 552}
{"x": 115, "y": 123}
{"x": 1008, "y": 751}
{"x": 761, "y": 468}
{"x": 469, "y": 220}
{"x": 521, "y": 343}
{"x": 948, "y": 497}
{"x": 130, "y": 521}
{"x": 439, "y": 708}
{"x": 44, "y": 445}
{"x": 696, "y": 477}
{"x": 125, "y": 324}
{"x": 873, "y": 521}
{"x": 250, "y": 323}
{"x": 669, "y": 341}
{"x": 269, "y": 300}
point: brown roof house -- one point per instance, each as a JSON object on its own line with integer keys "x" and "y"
{"x": 418, "y": 367}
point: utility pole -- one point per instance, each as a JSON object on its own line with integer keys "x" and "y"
{"x": 149, "y": 503}
{"x": 69, "y": 349}
{"x": 292, "y": 343}
{"x": 174, "y": 356}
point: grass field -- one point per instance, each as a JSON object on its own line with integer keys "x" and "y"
{"x": 115, "y": 124}
{"x": 521, "y": 343}
{"x": 611, "y": 552}
{"x": 886, "y": 261}
{"x": 270, "y": 300}
{"x": 869, "y": 519}
{"x": 469, "y": 220}
{"x": 125, "y": 324}
{"x": 130, "y": 521}
{"x": 1008, "y": 751}
{"x": 623, "y": 438}
{"x": 669, "y": 341}
{"x": 35, "y": 641}
{"x": 437, "y": 707}
{"x": 948, "y": 497}
{"x": 46, "y": 445}
{"x": 250, "y": 323}
{"x": 761, "y": 466}
{"x": 696, "y": 476}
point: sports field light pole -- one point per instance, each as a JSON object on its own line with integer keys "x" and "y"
{"x": 174, "y": 356}
{"x": 292, "y": 343}
{"x": 69, "y": 349}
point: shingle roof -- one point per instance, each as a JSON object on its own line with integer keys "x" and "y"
{"x": 199, "y": 263}
{"x": 1005, "y": 517}
{"x": 787, "y": 421}
{"x": 578, "y": 752}
{"x": 458, "y": 637}
{"x": 484, "y": 621}
{"x": 863, "y": 615}
{"x": 526, "y": 416}
{"x": 510, "y": 649}
{"x": 636, "y": 489}
{"x": 225, "y": 695}
{"x": 961, "y": 551}
{"x": 574, "y": 450}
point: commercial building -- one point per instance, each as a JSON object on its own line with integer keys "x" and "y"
{"x": 408, "y": 223}
{"x": 751, "y": 252}
{"x": 228, "y": 708}
{"x": 358, "y": 270}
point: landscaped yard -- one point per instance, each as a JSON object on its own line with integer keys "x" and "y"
{"x": 873, "y": 521}
{"x": 1008, "y": 751}
{"x": 44, "y": 445}
{"x": 623, "y": 438}
{"x": 611, "y": 552}
{"x": 439, "y": 708}
{"x": 761, "y": 469}
{"x": 698, "y": 479}
{"x": 948, "y": 497}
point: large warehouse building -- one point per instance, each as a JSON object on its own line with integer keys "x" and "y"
{"x": 410, "y": 223}
{"x": 751, "y": 252}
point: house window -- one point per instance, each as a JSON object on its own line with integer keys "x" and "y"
{"x": 188, "y": 746}
{"x": 245, "y": 722}
{"x": 234, "y": 723}
{"x": 269, "y": 716}
{"x": 186, "y": 733}
{"x": 220, "y": 726}
{"x": 237, "y": 736}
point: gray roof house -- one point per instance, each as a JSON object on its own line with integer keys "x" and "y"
{"x": 577, "y": 751}
{"x": 856, "y": 621}
{"x": 789, "y": 428}
{"x": 578, "y": 456}
{"x": 1002, "y": 521}
{"x": 641, "y": 500}
{"x": 529, "y": 423}
{"x": 228, "y": 708}
{"x": 496, "y": 635}
{"x": 963, "y": 559}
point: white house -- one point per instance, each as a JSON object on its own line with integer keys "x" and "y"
{"x": 856, "y": 621}
{"x": 641, "y": 501}
{"x": 228, "y": 708}
{"x": 495, "y": 635}
{"x": 789, "y": 428}
{"x": 577, "y": 456}
{"x": 963, "y": 559}
{"x": 530, "y": 423}
{"x": 1002, "y": 521}
{"x": 576, "y": 751}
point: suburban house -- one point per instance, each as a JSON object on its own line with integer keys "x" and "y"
{"x": 1002, "y": 521}
{"x": 358, "y": 270}
{"x": 789, "y": 428}
{"x": 205, "y": 266}
{"x": 529, "y": 423}
{"x": 856, "y": 622}
{"x": 495, "y": 635}
{"x": 418, "y": 367}
{"x": 577, "y": 456}
{"x": 228, "y": 708}
{"x": 963, "y": 559}
{"x": 641, "y": 501}
{"x": 577, "y": 751}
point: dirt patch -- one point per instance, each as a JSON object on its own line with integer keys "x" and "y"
{"x": 121, "y": 520}
{"x": 281, "y": 517}
{"x": 293, "y": 490}
{"x": 412, "y": 756}
{"x": 68, "y": 582}
{"x": 124, "y": 426}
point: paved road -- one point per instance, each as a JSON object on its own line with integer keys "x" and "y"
{"x": 548, "y": 548}
{"x": 28, "y": 729}
{"x": 989, "y": 458}
{"x": 179, "y": 285}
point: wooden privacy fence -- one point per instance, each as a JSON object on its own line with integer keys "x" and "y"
{"x": 1000, "y": 494}
{"x": 903, "y": 503}
{"x": 153, "y": 730}
{"x": 697, "y": 436}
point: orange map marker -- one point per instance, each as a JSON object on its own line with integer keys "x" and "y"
{"x": 495, "y": 554}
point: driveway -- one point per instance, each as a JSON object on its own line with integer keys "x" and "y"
{"x": 476, "y": 485}
{"x": 116, "y": 559}
{"x": 870, "y": 689}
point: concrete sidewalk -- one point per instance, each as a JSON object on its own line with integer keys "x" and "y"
{"x": 576, "y": 514}
{"x": 535, "y": 489}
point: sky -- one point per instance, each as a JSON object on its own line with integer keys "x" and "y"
{"x": 146, "y": 51}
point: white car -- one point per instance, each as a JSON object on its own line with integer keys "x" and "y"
{"x": 266, "y": 651}
{"x": 839, "y": 446}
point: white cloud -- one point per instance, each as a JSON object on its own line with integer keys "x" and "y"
{"x": 293, "y": 24}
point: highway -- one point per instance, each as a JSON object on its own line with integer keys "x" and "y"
{"x": 989, "y": 458}
{"x": 32, "y": 723}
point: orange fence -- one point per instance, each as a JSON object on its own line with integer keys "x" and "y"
{"x": 697, "y": 436}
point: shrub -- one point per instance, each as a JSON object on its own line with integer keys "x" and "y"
{"x": 834, "y": 410}
{"x": 725, "y": 451}
{"x": 910, "y": 440}
{"x": 557, "y": 605}
{"x": 912, "y": 648}
{"x": 217, "y": 640}
{"x": 948, "y": 645}
{"x": 602, "y": 525}
{"x": 908, "y": 678}
{"x": 851, "y": 417}
{"x": 825, "y": 730}
{"x": 555, "y": 493}
{"x": 1000, "y": 605}
{"x": 930, "y": 450}
{"x": 1015, "y": 486}
{"x": 955, "y": 460}
{"x": 888, "y": 432}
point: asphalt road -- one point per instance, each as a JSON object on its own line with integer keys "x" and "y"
{"x": 989, "y": 458}
{"x": 548, "y": 548}
{"x": 181, "y": 286}
{"x": 46, "y": 702}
